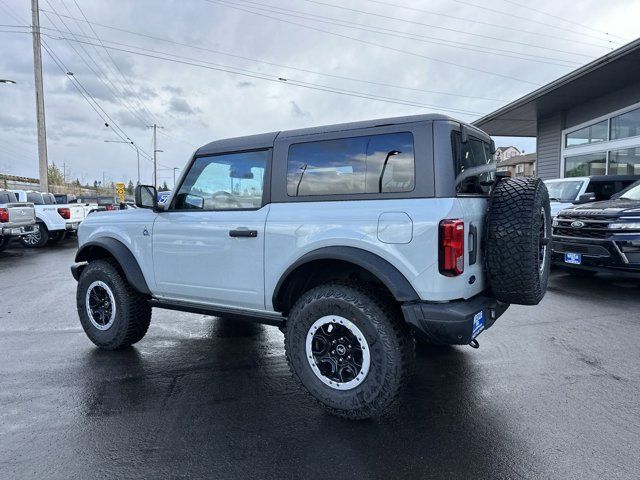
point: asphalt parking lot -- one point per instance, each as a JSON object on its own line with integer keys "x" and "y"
{"x": 553, "y": 392}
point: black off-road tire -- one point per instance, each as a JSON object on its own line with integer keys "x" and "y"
{"x": 391, "y": 347}
{"x": 132, "y": 314}
{"x": 517, "y": 242}
{"x": 38, "y": 239}
{"x": 4, "y": 243}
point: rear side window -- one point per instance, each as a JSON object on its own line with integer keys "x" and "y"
{"x": 35, "y": 198}
{"x": 474, "y": 166}
{"x": 7, "y": 197}
{"x": 369, "y": 164}
{"x": 48, "y": 199}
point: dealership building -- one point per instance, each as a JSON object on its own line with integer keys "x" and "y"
{"x": 586, "y": 123}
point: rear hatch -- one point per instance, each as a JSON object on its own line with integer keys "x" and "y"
{"x": 21, "y": 214}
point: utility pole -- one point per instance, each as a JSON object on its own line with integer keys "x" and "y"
{"x": 174, "y": 177}
{"x": 37, "y": 68}
{"x": 155, "y": 153}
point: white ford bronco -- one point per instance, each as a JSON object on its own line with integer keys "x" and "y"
{"x": 355, "y": 239}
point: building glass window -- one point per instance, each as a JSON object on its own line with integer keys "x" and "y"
{"x": 585, "y": 165}
{"x": 592, "y": 134}
{"x": 624, "y": 162}
{"x": 357, "y": 165}
{"x": 626, "y": 125}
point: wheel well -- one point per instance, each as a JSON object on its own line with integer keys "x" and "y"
{"x": 316, "y": 272}
{"x": 94, "y": 252}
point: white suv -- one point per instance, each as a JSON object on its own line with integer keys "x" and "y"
{"x": 354, "y": 239}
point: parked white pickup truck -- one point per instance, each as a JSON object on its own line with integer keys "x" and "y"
{"x": 16, "y": 219}
{"x": 53, "y": 220}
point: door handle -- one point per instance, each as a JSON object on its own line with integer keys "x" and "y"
{"x": 243, "y": 232}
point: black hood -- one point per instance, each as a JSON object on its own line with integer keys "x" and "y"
{"x": 614, "y": 207}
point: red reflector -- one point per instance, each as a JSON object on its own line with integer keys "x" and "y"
{"x": 65, "y": 213}
{"x": 4, "y": 215}
{"x": 451, "y": 247}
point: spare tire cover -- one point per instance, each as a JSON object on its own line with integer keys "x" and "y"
{"x": 517, "y": 250}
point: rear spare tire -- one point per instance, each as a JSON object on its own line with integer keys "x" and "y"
{"x": 517, "y": 254}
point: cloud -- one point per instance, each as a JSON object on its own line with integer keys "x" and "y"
{"x": 297, "y": 111}
{"x": 182, "y": 107}
{"x": 197, "y": 105}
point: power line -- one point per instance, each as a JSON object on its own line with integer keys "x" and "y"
{"x": 526, "y": 19}
{"x": 417, "y": 37}
{"x": 272, "y": 78}
{"x": 422, "y": 24}
{"x": 102, "y": 76}
{"x": 564, "y": 19}
{"x": 387, "y": 47}
{"x": 315, "y": 72}
{"x": 131, "y": 89}
{"x": 481, "y": 22}
{"x": 109, "y": 122}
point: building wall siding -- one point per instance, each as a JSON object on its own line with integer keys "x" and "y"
{"x": 604, "y": 105}
{"x": 549, "y": 143}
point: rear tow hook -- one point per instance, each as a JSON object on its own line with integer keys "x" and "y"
{"x": 474, "y": 343}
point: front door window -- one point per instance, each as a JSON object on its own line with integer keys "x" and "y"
{"x": 232, "y": 181}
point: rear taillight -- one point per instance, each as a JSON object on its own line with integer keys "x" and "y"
{"x": 4, "y": 215}
{"x": 65, "y": 213}
{"x": 451, "y": 247}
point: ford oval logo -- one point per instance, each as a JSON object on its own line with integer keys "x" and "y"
{"x": 577, "y": 224}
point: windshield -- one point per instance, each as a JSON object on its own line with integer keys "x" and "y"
{"x": 633, "y": 193}
{"x": 564, "y": 192}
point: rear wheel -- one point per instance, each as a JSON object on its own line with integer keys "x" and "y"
{"x": 4, "y": 243}
{"x": 350, "y": 349}
{"x": 38, "y": 238}
{"x": 112, "y": 313}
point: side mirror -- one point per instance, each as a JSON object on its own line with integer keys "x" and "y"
{"x": 492, "y": 147}
{"x": 585, "y": 198}
{"x": 146, "y": 196}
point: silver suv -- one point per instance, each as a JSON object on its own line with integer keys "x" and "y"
{"x": 354, "y": 239}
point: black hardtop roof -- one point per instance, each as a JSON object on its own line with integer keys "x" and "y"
{"x": 265, "y": 140}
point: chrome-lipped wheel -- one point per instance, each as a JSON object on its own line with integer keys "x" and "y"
{"x": 101, "y": 305}
{"x": 337, "y": 352}
{"x": 543, "y": 241}
{"x": 33, "y": 238}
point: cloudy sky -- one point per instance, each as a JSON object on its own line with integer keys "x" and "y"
{"x": 210, "y": 69}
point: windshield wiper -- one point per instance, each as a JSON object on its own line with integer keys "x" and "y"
{"x": 554, "y": 199}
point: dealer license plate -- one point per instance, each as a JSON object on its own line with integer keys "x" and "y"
{"x": 573, "y": 258}
{"x": 478, "y": 324}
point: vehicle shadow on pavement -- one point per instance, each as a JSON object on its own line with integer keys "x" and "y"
{"x": 224, "y": 405}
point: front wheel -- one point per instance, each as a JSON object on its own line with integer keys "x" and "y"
{"x": 350, "y": 348}
{"x": 112, "y": 313}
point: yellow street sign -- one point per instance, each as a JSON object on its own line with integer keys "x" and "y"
{"x": 121, "y": 191}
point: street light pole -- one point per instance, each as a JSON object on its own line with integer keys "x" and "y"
{"x": 174, "y": 177}
{"x": 155, "y": 154}
{"x": 37, "y": 69}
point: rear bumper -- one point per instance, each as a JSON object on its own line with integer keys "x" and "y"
{"x": 452, "y": 322}
{"x": 16, "y": 231}
{"x": 71, "y": 226}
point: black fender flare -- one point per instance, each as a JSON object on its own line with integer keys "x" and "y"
{"x": 120, "y": 252}
{"x": 388, "y": 274}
